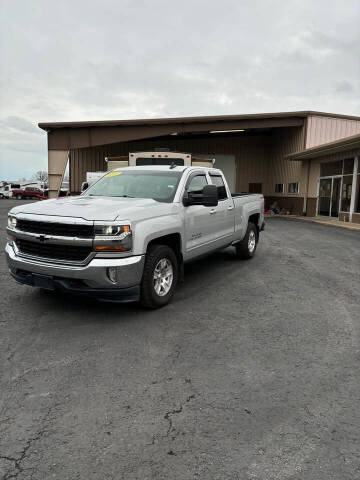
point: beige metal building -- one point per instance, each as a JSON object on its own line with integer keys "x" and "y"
{"x": 253, "y": 150}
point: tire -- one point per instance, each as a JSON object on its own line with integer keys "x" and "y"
{"x": 18, "y": 196}
{"x": 247, "y": 247}
{"x": 155, "y": 292}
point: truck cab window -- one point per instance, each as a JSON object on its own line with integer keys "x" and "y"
{"x": 219, "y": 182}
{"x": 196, "y": 184}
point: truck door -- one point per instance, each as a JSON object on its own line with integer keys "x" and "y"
{"x": 224, "y": 215}
{"x": 199, "y": 232}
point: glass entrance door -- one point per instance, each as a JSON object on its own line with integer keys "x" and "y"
{"x": 335, "y": 197}
{"x": 329, "y": 196}
{"x": 324, "y": 196}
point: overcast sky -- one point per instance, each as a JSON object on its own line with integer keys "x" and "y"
{"x": 120, "y": 59}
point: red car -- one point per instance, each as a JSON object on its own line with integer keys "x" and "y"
{"x": 28, "y": 192}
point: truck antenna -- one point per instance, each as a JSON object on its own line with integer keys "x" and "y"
{"x": 173, "y": 165}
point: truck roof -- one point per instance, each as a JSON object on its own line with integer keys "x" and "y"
{"x": 166, "y": 168}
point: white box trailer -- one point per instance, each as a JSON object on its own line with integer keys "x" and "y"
{"x": 162, "y": 157}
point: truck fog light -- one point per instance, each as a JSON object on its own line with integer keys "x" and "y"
{"x": 12, "y": 221}
{"x": 112, "y": 274}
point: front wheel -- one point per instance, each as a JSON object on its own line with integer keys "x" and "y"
{"x": 160, "y": 276}
{"x": 247, "y": 247}
{"x": 18, "y": 196}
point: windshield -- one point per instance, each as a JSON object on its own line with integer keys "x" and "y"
{"x": 160, "y": 186}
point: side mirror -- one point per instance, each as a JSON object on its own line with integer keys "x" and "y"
{"x": 210, "y": 196}
{"x": 84, "y": 186}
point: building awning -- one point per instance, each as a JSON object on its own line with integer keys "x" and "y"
{"x": 341, "y": 145}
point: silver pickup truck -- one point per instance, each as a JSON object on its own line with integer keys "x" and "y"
{"x": 127, "y": 236}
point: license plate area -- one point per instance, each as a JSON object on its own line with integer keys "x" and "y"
{"x": 43, "y": 281}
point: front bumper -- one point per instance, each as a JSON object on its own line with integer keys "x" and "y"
{"x": 91, "y": 279}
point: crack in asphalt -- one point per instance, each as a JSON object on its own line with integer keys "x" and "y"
{"x": 168, "y": 416}
{"x": 17, "y": 461}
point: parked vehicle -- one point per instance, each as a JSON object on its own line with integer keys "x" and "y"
{"x": 127, "y": 237}
{"x": 2, "y": 191}
{"x": 63, "y": 192}
{"x": 9, "y": 188}
{"x": 28, "y": 193}
{"x": 36, "y": 183}
{"x": 65, "y": 186}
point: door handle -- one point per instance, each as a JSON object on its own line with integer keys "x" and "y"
{"x": 212, "y": 211}
{"x": 230, "y": 207}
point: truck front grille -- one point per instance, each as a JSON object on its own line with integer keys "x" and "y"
{"x": 51, "y": 251}
{"x": 57, "y": 229}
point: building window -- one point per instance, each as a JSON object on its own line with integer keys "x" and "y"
{"x": 346, "y": 193}
{"x": 218, "y": 181}
{"x": 293, "y": 187}
{"x": 279, "y": 188}
{"x": 348, "y": 166}
{"x": 255, "y": 187}
{"x": 329, "y": 169}
{"x": 357, "y": 198}
{"x": 341, "y": 167}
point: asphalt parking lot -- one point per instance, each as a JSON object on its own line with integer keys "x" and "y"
{"x": 252, "y": 372}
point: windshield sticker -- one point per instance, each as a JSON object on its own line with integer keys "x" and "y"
{"x": 113, "y": 174}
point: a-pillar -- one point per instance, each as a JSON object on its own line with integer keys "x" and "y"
{"x": 57, "y": 161}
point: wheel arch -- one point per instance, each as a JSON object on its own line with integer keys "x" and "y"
{"x": 174, "y": 241}
{"x": 255, "y": 219}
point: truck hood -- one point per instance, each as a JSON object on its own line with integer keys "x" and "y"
{"x": 97, "y": 208}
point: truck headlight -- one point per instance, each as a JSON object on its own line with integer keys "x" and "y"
{"x": 12, "y": 221}
{"x": 118, "y": 231}
{"x": 112, "y": 238}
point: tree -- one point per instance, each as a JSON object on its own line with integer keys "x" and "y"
{"x": 40, "y": 176}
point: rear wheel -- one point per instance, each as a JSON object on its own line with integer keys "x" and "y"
{"x": 160, "y": 276}
{"x": 247, "y": 247}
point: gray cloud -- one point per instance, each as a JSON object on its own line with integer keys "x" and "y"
{"x": 344, "y": 87}
{"x": 113, "y": 59}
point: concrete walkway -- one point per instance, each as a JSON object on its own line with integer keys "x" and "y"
{"x": 332, "y": 223}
